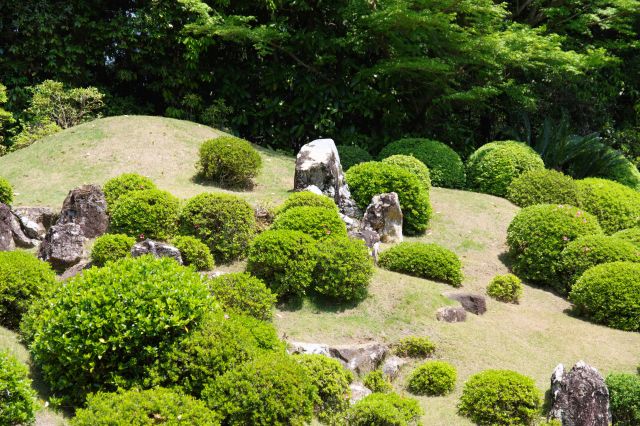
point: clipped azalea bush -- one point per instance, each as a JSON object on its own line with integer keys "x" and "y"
{"x": 414, "y": 347}
{"x": 626, "y": 173}
{"x": 149, "y": 213}
{"x": 433, "y": 378}
{"x": 307, "y": 199}
{"x": 229, "y": 161}
{"x": 412, "y": 164}
{"x": 17, "y": 398}
{"x": 616, "y": 206}
{"x": 244, "y": 293}
{"x": 194, "y": 252}
{"x": 118, "y": 186}
{"x": 111, "y": 247}
{"x": 505, "y": 288}
{"x": 423, "y": 260}
{"x": 631, "y": 235}
{"x": 318, "y": 222}
{"x": 6, "y": 192}
{"x": 624, "y": 397}
{"x": 543, "y": 186}
{"x": 351, "y": 155}
{"x": 389, "y": 409}
{"x": 375, "y": 381}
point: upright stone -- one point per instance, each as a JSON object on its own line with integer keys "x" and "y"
{"x": 384, "y": 216}
{"x": 86, "y": 206}
{"x": 63, "y": 246}
{"x": 6, "y": 225}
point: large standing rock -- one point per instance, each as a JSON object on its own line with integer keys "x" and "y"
{"x": 474, "y": 303}
{"x": 384, "y": 216}
{"x": 35, "y": 220}
{"x": 63, "y": 246}
{"x": 579, "y": 397}
{"x": 360, "y": 359}
{"x": 451, "y": 314}
{"x": 157, "y": 249}
{"x": 86, "y": 206}
{"x": 6, "y": 228}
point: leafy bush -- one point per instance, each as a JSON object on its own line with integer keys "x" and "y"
{"x": 118, "y": 186}
{"x": 414, "y": 347}
{"x": 626, "y": 173}
{"x": 144, "y": 408}
{"x": 23, "y": 279}
{"x": 388, "y": 409}
{"x": 17, "y": 398}
{"x": 244, "y": 293}
{"x": 66, "y": 107}
{"x": 351, "y": 155}
{"x": 376, "y": 382}
{"x": 225, "y": 223}
{"x": 493, "y": 166}
{"x": 33, "y": 132}
{"x": 624, "y": 396}
{"x": 543, "y": 187}
{"x": 631, "y": 235}
{"x": 500, "y": 397}
{"x": 344, "y": 269}
{"x": 194, "y": 252}
{"x": 505, "y": 288}
{"x": 538, "y": 234}
{"x": 318, "y": 222}
{"x": 412, "y": 164}
{"x": 433, "y": 378}
{"x": 284, "y": 260}
{"x": 270, "y": 390}
{"x": 150, "y": 213}
{"x": 6, "y": 192}
{"x": 609, "y": 294}
{"x": 105, "y": 327}
{"x": 229, "y": 161}
{"x": 445, "y": 166}
{"x": 616, "y": 206}
{"x": 423, "y": 260}
{"x": 110, "y": 247}
{"x": 307, "y": 199}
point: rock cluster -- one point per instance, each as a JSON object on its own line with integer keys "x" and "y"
{"x": 157, "y": 249}
{"x": 24, "y": 227}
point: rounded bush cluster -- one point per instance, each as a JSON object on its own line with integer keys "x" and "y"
{"x": 23, "y": 280}
{"x": 616, "y": 206}
{"x": 433, "y": 378}
{"x": 194, "y": 252}
{"x": 500, "y": 397}
{"x": 505, "y": 288}
{"x": 624, "y": 397}
{"x": 445, "y": 166}
{"x": 285, "y": 260}
{"x": 625, "y": 173}
{"x": 307, "y": 199}
{"x": 412, "y": 164}
{"x": 225, "y": 223}
{"x": 144, "y": 408}
{"x": 118, "y": 186}
{"x": 229, "y": 161}
{"x": 631, "y": 235}
{"x": 318, "y": 222}
{"x": 538, "y": 234}
{"x": 368, "y": 179}
{"x": 150, "y": 213}
{"x": 609, "y": 294}
{"x": 493, "y": 166}
{"x": 388, "y": 409}
{"x": 244, "y": 293}
{"x": 6, "y": 192}
{"x": 17, "y": 398}
{"x": 111, "y": 247}
{"x": 423, "y": 260}
{"x": 352, "y": 155}
{"x": 543, "y": 186}
{"x": 414, "y": 347}
{"x": 376, "y": 382}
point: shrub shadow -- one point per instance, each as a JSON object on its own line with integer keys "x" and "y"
{"x": 327, "y": 304}
{"x": 291, "y": 304}
{"x": 197, "y": 179}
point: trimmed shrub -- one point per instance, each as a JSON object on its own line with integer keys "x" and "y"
{"x": 500, "y": 397}
{"x": 624, "y": 396}
{"x": 307, "y": 199}
{"x": 149, "y": 213}
{"x": 284, "y": 260}
{"x": 6, "y": 192}
{"x": 625, "y": 173}
{"x": 17, "y": 398}
{"x": 144, "y": 408}
{"x": 505, "y": 288}
{"x": 538, "y": 234}
{"x": 318, "y": 222}
{"x": 434, "y": 378}
{"x": 225, "y": 223}
{"x": 616, "y": 206}
{"x": 609, "y": 294}
{"x": 445, "y": 166}
{"x": 272, "y": 390}
{"x": 412, "y": 164}
{"x": 229, "y": 161}
{"x": 631, "y": 235}
{"x": 111, "y": 247}
{"x": 384, "y": 409}
{"x": 493, "y": 166}
{"x": 429, "y": 261}
{"x": 244, "y": 293}
{"x": 352, "y": 155}
{"x": 118, "y": 186}
{"x": 414, "y": 347}
{"x": 376, "y": 382}
{"x": 343, "y": 270}
{"x": 23, "y": 280}
{"x": 543, "y": 186}
{"x": 368, "y": 179}
{"x": 103, "y": 329}
{"x": 194, "y": 252}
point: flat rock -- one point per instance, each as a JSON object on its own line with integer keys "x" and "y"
{"x": 474, "y": 303}
{"x": 308, "y": 348}
{"x": 358, "y": 391}
{"x": 391, "y": 366}
{"x": 360, "y": 359}
{"x": 451, "y": 314}
{"x": 156, "y": 249}
{"x": 384, "y": 216}
{"x": 86, "y": 206}
{"x": 63, "y": 246}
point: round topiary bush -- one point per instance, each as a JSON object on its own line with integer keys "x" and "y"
{"x": 17, "y": 398}
{"x": 194, "y": 252}
{"x": 543, "y": 186}
{"x": 317, "y": 222}
{"x": 229, "y": 161}
{"x": 6, "y": 192}
{"x": 414, "y": 347}
{"x": 625, "y": 173}
{"x": 307, "y": 199}
{"x": 244, "y": 293}
{"x": 434, "y": 378}
{"x": 505, "y": 288}
{"x": 538, "y": 234}
{"x": 445, "y": 166}
{"x": 412, "y": 164}
{"x": 150, "y": 213}
{"x": 284, "y": 260}
{"x": 376, "y": 382}
{"x": 111, "y": 247}
{"x": 609, "y": 294}
{"x": 144, "y": 408}
{"x": 368, "y": 179}
{"x": 624, "y": 397}
{"x": 388, "y": 409}
{"x": 23, "y": 280}
{"x": 500, "y": 397}
{"x": 118, "y": 186}
{"x": 270, "y": 390}
{"x": 225, "y": 223}
{"x": 423, "y": 260}
{"x": 492, "y": 167}
{"x": 631, "y": 235}
{"x": 352, "y": 155}
{"x": 616, "y": 206}
{"x": 344, "y": 269}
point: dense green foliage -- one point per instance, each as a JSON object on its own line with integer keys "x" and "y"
{"x": 624, "y": 397}
{"x": 149, "y": 213}
{"x": 505, "y": 288}
{"x": 631, "y": 235}
{"x": 6, "y": 192}
{"x": 317, "y": 222}
{"x": 229, "y": 162}
{"x": 120, "y": 185}
{"x": 194, "y": 252}
{"x": 377, "y": 382}
{"x": 412, "y": 164}
{"x": 616, "y": 206}
{"x": 110, "y": 247}
{"x": 433, "y": 378}
{"x": 17, "y": 398}
{"x": 385, "y": 409}
{"x": 414, "y": 347}
{"x": 352, "y": 155}
{"x": 423, "y": 260}
{"x": 244, "y": 293}
{"x": 625, "y": 173}
{"x": 307, "y": 199}
{"x": 543, "y": 187}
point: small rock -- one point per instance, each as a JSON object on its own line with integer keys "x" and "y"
{"x": 360, "y": 359}
{"x": 156, "y": 249}
{"x": 308, "y": 348}
{"x": 19, "y": 237}
{"x": 313, "y": 189}
{"x": 75, "y": 270}
{"x": 474, "y": 303}
{"x": 6, "y": 226}
{"x": 384, "y": 216}
{"x": 391, "y": 367}
{"x": 371, "y": 240}
{"x": 451, "y": 314}
{"x": 35, "y": 220}
{"x": 63, "y": 246}
{"x": 86, "y": 206}
{"x": 358, "y": 391}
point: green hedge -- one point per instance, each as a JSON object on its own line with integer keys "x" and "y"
{"x": 616, "y": 206}
{"x": 118, "y": 186}
{"x": 6, "y": 192}
{"x": 624, "y": 397}
{"x": 244, "y": 293}
{"x": 414, "y": 347}
{"x": 17, "y": 398}
{"x": 229, "y": 161}
{"x": 376, "y": 382}
{"x": 194, "y": 252}
{"x": 412, "y": 164}
{"x": 352, "y": 155}
{"x": 307, "y": 199}
{"x": 631, "y": 235}
{"x": 625, "y": 173}
{"x": 388, "y": 409}
{"x": 543, "y": 187}
{"x": 505, "y": 288}
{"x": 317, "y": 222}
{"x": 149, "y": 213}
{"x": 423, "y": 260}
{"x": 111, "y": 247}
{"x": 434, "y": 378}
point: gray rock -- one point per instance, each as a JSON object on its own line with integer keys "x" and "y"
{"x": 451, "y": 314}
{"x": 391, "y": 367}
{"x": 63, "y": 246}
{"x": 371, "y": 240}
{"x": 358, "y": 391}
{"x": 19, "y": 237}
{"x": 35, "y": 220}
{"x": 75, "y": 269}
{"x": 6, "y": 228}
{"x": 156, "y": 249}
{"x": 474, "y": 303}
{"x": 384, "y": 216}
{"x": 360, "y": 359}
{"x": 579, "y": 397}
{"x": 86, "y": 206}
{"x": 308, "y": 348}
